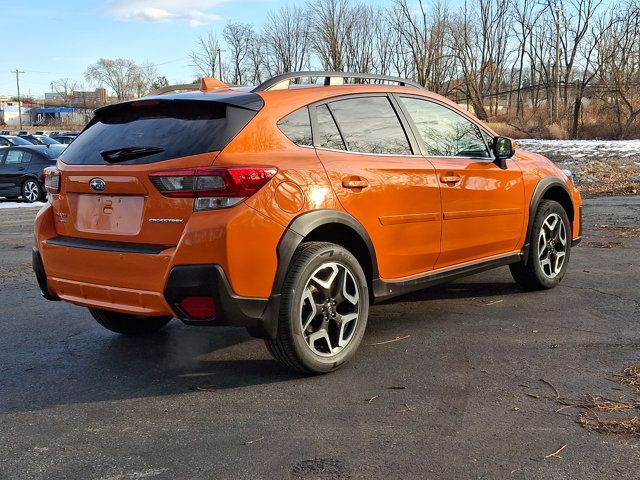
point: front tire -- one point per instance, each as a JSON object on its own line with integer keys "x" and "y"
{"x": 32, "y": 191}
{"x": 549, "y": 249}
{"x": 323, "y": 310}
{"x": 127, "y": 324}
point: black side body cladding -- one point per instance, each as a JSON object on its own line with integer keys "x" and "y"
{"x": 41, "y": 276}
{"x": 543, "y": 187}
{"x": 210, "y": 280}
{"x": 386, "y": 290}
{"x": 303, "y": 225}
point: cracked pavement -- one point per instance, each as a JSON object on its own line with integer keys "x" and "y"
{"x": 460, "y": 397}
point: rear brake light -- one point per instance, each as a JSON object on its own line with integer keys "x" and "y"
{"x": 213, "y": 187}
{"x": 52, "y": 179}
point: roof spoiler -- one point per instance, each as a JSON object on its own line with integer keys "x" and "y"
{"x": 206, "y": 84}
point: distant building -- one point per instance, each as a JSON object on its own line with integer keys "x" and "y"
{"x": 53, "y": 96}
{"x": 10, "y": 116}
{"x": 53, "y": 115}
{"x": 93, "y": 99}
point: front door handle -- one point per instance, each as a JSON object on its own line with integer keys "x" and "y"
{"x": 354, "y": 183}
{"x": 450, "y": 179}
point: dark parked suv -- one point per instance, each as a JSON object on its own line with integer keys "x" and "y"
{"x": 21, "y": 171}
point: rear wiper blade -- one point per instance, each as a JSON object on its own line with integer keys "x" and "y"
{"x": 127, "y": 153}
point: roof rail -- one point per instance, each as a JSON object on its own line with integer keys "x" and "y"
{"x": 206, "y": 83}
{"x": 282, "y": 81}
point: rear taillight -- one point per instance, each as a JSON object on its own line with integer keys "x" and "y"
{"x": 213, "y": 187}
{"x": 52, "y": 179}
{"x": 198, "y": 308}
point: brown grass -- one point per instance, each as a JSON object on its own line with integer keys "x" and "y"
{"x": 617, "y": 418}
{"x": 631, "y": 376}
{"x": 616, "y": 425}
{"x": 507, "y": 130}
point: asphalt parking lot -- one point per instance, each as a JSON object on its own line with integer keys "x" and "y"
{"x": 458, "y": 394}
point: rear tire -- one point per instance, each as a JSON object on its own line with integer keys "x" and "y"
{"x": 323, "y": 309}
{"x": 127, "y": 324}
{"x": 549, "y": 249}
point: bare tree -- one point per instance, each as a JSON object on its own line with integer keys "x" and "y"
{"x": 64, "y": 86}
{"x": 424, "y": 34}
{"x": 479, "y": 43}
{"x": 527, "y": 14}
{"x": 238, "y": 37}
{"x": 205, "y": 57}
{"x": 619, "y": 71}
{"x": 126, "y": 78}
{"x": 286, "y": 36}
{"x": 331, "y": 24}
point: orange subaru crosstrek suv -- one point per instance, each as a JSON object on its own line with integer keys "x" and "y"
{"x": 288, "y": 209}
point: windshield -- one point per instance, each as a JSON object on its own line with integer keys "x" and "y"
{"x": 162, "y": 130}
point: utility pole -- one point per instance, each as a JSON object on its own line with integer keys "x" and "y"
{"x": 557, "y": 75}
{"x": 220, "y": 63}
{"x": 18, "y": 72}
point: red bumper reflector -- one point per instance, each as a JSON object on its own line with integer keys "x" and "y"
{"x": 198, "y": 308}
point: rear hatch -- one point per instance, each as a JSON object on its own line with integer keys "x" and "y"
{"x": 106, "y": 192}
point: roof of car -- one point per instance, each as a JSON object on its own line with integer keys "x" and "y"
{"x": 37, "y": 148}
{"x": 228, "y": 96}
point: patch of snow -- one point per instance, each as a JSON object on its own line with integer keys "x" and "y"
{"x": 6, "y": 204}
{"x": 581, "y": 151}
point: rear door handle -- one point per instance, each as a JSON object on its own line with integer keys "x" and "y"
{"x": 450, "y": 179}
{"x": 355, "y": 183}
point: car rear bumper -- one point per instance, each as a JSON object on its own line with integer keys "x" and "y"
{"x": 258, "y": 315}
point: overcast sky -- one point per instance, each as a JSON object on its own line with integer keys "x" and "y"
{"x": 49, "y": 40}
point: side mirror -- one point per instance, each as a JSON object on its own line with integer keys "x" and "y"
{"x": 503, "y": 149}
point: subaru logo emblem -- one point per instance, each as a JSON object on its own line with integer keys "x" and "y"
{"x": 97, "y": 184}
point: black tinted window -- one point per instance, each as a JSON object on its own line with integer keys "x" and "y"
{"x": 173, "y": 128}
{"x": 328, "y": 134}
{"x": 445, "y": 132}
{"x": 370, "y": 125}
{"x": 297, "y": 127}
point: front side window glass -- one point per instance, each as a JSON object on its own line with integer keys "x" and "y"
{"x": 445, "y": 132}
{"x": 370, "y": 125}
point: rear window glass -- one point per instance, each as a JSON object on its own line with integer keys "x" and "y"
{"x": 328, "y": 135}
{"x": 370, "y": 125}
{"x": 16, "y": 156}
{"x": 297, "y": 127}
{"x": 52, "y": 152}
{"x": 163, "y": 129}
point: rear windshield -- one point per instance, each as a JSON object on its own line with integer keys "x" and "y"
{"x": 51, "y": 152}
{"x": 170, "y": 129}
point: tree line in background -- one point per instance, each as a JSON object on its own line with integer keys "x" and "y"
{"x": 525, "y": 62}
{"x": 541, "y": 67}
